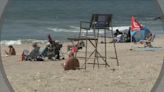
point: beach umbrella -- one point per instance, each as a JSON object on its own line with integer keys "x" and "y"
{"x": 138, "y": 32}
{"x": 141, "y": 35}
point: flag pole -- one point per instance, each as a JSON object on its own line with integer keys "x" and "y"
{"x": 130, "y": 39}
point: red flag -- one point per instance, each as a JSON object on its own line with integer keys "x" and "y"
{"x": 135, "y": 26}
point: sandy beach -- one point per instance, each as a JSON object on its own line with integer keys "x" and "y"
{"x": 137, "y": 72}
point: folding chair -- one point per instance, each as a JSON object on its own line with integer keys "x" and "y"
{"x": 149, "y": 39}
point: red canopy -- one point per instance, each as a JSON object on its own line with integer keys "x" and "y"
{"x": 135, "y": 26}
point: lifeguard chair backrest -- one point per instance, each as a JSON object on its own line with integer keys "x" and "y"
{"x": 101, "y": 21}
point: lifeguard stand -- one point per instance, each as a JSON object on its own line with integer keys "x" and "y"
{"x": 99, "y": 22}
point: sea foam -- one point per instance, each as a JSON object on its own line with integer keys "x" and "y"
{"x": 23, "y": 41}
{"x": 75, "y": 29}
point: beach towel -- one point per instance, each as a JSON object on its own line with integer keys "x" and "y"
{"x": 148, "y": 49}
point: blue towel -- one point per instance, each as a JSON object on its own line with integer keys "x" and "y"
{"x": 148, "y": 48}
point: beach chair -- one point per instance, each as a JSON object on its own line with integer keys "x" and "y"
{"x": 149, "y": 39}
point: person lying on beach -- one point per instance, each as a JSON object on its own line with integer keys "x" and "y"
{"x": 11, "y": 51}
{"x": 71, "y": 63}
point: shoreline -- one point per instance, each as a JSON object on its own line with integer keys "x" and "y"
{"x": 44, "y": 41}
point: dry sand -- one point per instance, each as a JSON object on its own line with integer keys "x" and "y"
{"x": 137, "y": 72}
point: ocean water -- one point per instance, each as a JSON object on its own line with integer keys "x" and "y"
{"x": 35, "y": 19}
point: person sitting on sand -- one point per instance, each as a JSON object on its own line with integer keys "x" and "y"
{"x": 71, "y": 63}
{"x": 117, "y": 33}
{"x": 118, "y": 36}
{"x": 49, "y": 51}
{"x": 11, "y": 51}
{"x": 52, "y": 49}
{"x": 34, "y": 53}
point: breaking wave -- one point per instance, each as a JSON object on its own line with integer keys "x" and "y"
{"x": 75, "y": 29}
{"x": 23, "y": 41}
